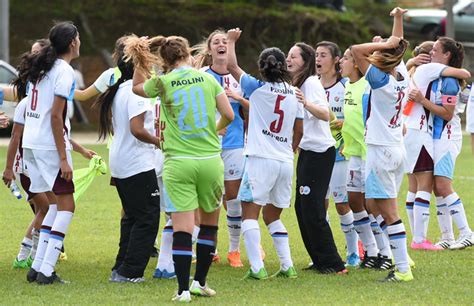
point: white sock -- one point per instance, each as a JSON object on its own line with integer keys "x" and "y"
{"x": 456, "y": 209}
{"x": 409, "y": 208}
{"x": 194, "y": 237}
{"x": 44, "y": 236}
{"x": 251, "y": 233}
{"x": 444, "y": 219}
{"x": 381, "y": 223}
{"x": 382, "y": 245}
{"x": 25, "y": 248}
{"x": 165, "y": 257}
{"x": 35, "y": 237}
{"x": 281, "y": 244}
{"x": 55, "y": 243}
{"x": 234, "y": 223}
{"x": 398, "y": 243}
{"x": 347, "y": 227}
{"x": 421, "y": 216}
{"x": 362, "y": 226}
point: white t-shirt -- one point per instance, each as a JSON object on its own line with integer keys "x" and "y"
{"x": 273, "y": 111}
{"x": 384, "y": 113}
{"x": 317, "y": 134}
{"x": 105, "y": 80}
{"x": 128, "y": 155}
{"x": 38, "y": 133}
{"x": 419, "y": 117}
{"x": 19, "y": 118}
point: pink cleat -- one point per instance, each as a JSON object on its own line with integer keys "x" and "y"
{"x": 426, "y": 245}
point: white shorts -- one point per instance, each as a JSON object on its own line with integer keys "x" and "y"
{"x": 337, "y": 186}
{"x": 43, "y": 169}
{"x": 384, "y": 169}
{"x": 234, "y": 162}
{"x": 266, "y": 181}
{"x": 356, "y": 175}
{"x": 445, "y": 153}
{"x": 419, "y": 151}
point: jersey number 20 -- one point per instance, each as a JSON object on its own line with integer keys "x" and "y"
{"x": 191, "y": 99}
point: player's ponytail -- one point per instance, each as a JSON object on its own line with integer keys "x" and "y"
{"x": 272, "y": 66}
{"x": 105, "y": 101}
{"x": 386, "y": 60}
{"x": 138, "y": 50}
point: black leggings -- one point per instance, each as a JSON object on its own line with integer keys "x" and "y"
{"x": 313, "y": 173}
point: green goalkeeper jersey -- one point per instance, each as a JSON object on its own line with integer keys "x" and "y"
{"x": 187, "y": 112}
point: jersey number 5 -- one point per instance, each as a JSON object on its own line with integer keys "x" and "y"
{"x": 191, "y": 99}
{"x": 276, "y": 125}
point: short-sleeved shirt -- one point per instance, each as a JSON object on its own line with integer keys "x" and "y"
{"x": 335, "y": 96}
{"x": 419, "y": 117}
{"x": 384, "y": 116}
{"x": 128, "y": 155}
{"x": 317, "y": 135}
{"x": 234, "y": 137}
{"x": 38, "y": 133}
{"x": 353, "y": 129}
{"x": 443, "y": 129}
{"x": 187, "y": 112}
{"x": 272, "y": 114}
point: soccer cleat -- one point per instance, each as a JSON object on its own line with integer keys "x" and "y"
{"x": 48, "y": 280}
{"x": 426, "y": 245}
{"x": 395, "y": 276}
{"x": 21, "y": 264}
{"x": 330, "y": 270}
{"x": 463, "y": 242}
{"x": 261, "y": 274}
{"x": 113, "y": 275}
{"x": 369, "y": 262}
{"x": 32, "y": 275}
{"x": 411, "y": 262}
{"x": 117, "y": 278}
{"x": 197, "y": 289}
{"x": 353, "y": 260}
{"x": 290, "y": 273}
{"x": 234, "y": 259}
{"x": 164, "y": 274}
{"x": 63, "y": 256}
{"x": 383, "y": 262}
{"x": 216, "y": 258}
{"x": 445, "y": 243}
{"x": 184, "y": 297}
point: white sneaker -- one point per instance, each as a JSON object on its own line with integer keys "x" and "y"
{"x": 184, "y": 297}
{"x": 197, "y": 289}
{"x": 464, "y": 241}
{"x": 445, "y": 243}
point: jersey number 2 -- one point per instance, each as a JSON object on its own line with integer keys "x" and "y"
{"x": 191, "y": 99}
{"x": 276, "y": 125}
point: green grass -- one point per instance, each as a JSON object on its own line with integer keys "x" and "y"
{"x": 444, "y": 277}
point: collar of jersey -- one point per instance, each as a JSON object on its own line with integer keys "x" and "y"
{"x": 182, "y": 68}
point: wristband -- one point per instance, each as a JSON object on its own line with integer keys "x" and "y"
{"x": 449, "y": 100}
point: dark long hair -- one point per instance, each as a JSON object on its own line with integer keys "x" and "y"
{"x": 272, "y": 66}
{"x": 309, "y": 68}
{"x": 21, "y": 81}
{"x": 105, "y": 101}
{"x": 335, "y": 52}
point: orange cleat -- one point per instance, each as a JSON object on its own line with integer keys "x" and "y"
{"x": 234, "y": 259}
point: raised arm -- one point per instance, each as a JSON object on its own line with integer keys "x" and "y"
{"x": 232, "y": 65}
{"x": 361, "y": 52}
{"x": 397, "y": 28}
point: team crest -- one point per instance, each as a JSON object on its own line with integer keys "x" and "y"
{"x": 305, "y": 190}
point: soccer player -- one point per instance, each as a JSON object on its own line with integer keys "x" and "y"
{"x": 273, "y": 117}
{"x": 213, "y": 60}
{"x": 328, "y": 55}
{"x": 315, "y": 162}
{"x": 132, "y": 165}
{"x": 470, "y": 117}
{"x": 381, "y": 62}
{"x": 447, "y": 143}
{"x": 193, "y": 173}
{"x": 46, "y": 142}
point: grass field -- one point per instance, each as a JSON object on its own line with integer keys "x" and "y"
{"x": 440, "y": 278}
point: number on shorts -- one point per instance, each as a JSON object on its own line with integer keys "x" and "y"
{"x": 196, "y": 96}
{"x": 276, "y": 125}
{"x": 34, "y": 98}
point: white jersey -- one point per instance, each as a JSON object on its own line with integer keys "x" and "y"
{"x": 317, "y": 134}
{"x": 419, "y": 117}
{"x": 273, "y": 111}
{"x": 105, "y": 80}
{"x": 442, "y": 129}
{"x": 38, "y": 133}
{"x": 128, "y": 155}
{"x": 19, "y": 118}
{"x": 335, "y": 96}
{"x": 384, "y": 117}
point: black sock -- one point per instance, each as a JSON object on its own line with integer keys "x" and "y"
{"x": 205, "y": 248}
{"x": 182, "y": 255}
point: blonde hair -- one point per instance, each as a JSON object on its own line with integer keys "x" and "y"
{"x": 202, "y": 50}
{"x": 423, "y": 48}
{"x": 138, "y": 50}
{"x": 386, "y": 60}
